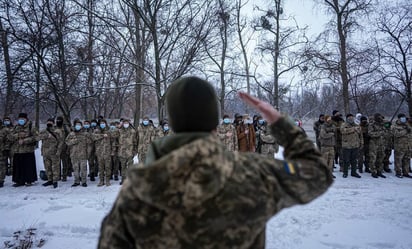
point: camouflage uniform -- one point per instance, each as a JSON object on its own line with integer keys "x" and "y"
{"x": 114, "y": 157}
{"x": 376, "y": 132}
{"x": 228, "y": 136}
{"x": 77, "y": 142}
{"x": 316, "y": 127}
{"x": 403, "y": 146}
{"x": 52, "y": 144}
{"x": 388, "y": 146}
{"x": 3, "y": 165}
{"x": 127, "y": 148}
{"x": 266, "y": 142}
{"x": 91, "y": 154}
{"x": 338, "y": 121}
{"x": 352, "y": 140}
{"x": 363, "y": 156}
{"x": 67, "y": 167}
{"x": 103, "y": 143}
{"x": 7, "y": 153}
{"x": 146, "y": 134}
{"x": 199, "y": 195}
{"x": 327, "y": 139}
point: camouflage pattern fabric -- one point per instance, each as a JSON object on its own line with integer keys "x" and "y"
{"x": 202, "y": 196}
{"x": 52, "y": 144}
{"x": 376, "y": 132}
{"x": 91, "y": 153}
{"x": 327, "y": 135}
{"x": 363, "y": 155}
{"x": 80, "y": 170}
{"x": 77, "y": 143}
{"x": 65, "y": 153}
{"x": 27, "y": 134}
{"x": 402, "y": 147}
{"x": 351, "y": 136}
{"x": 126, "y": 163}
{"x": 3, "y": 163}
{"x": 146, "y": 134}
{"x": 127, "y": 142}
{"x": 227, "y": 134}
{"x": 103, "y": 144}
{"x": 328, "y": 153}
{"x": 266, "y": 142}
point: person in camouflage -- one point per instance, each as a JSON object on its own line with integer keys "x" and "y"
{"x": 327, "y": 139}
{"x": 194, "y": 193}
{"x": 3, "y": 164}
{"x": 52, "y": 144}
{"x": 77, "y": 141}
{"x": 338, "y": 121}
{"x": 146, "y": 133}
{"x": 102, "y": 138}
{"x": 352, "y": 140}
{"x": 316, "y": 127}
{"x": 387, "y": 146}
{"x": 164, "y": 130}
{"x": 402, "y": 146}
{"x": 67, "y": 167}
{"x": 24, "y": 137}
{"x": 91, "y": 149}
{"x": 376, "y": 132}
{"x": 266, "y": 142}
{"x": 115, "y": 147}
{"x": 7, "y": 152}
{"x": 363, "y": 156}
{"x": 127, "y": 147}
{"x": 226, "y": 132}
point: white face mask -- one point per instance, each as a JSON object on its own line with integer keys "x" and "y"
{"x": 126, "y": 125}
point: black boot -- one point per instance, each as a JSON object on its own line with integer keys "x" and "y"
{"x": 355, "y": 175}
{"x": 381, "y": 175}
{"x": 374, "y": 175}
{"x": 54, "y": 184}
{"x": 116, "y": 178}
{"x": 75, "y": 184}
{"x": 1, "y": 184}
{"x": 48, "y": 183}
{"x": 387, "y": 170}
{"x": 92, "y": 177}
{"x": 367, "y": 170}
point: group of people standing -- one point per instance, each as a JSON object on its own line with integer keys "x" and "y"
{"x": 364, "y": 144}
{"x": 84, "y": 149}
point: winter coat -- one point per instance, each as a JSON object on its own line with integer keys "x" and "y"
{"x": 401, "y": 133}
{"x": 102, "y": 139}
{"x": 194, "y": 193}
{"x": 266, "y": 142}
{"x": 127, "y": 142}
{"x": 327, "y": 135}
{"x": 246, "y": 142}
{"x": 52, "y": 142}
{"x": 27, "y": 134}
{"x": 146, "y": 134}
{"x": 77, "y": 142}
{"x": 376, "y": 131}
{"x": 230, "y": 141}
{"x": 351, "y": 136}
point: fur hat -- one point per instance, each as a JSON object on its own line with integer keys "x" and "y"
{"x": 192, "y": 105}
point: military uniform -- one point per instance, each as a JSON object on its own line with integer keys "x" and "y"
{"x": 77, "y": 142}
{"x": 91, "y": 154}
{"x": 363, "y": 156}
{"x": 316, "y": 128}
{"x": 402, "y": 147}
{"x": 200, "y": 195}
{"x": 352, "y": 140}
{"x": 7, "y": 154}
{"x": 127, "y": 148}
{"x": 114, "y": 157}
{"x": 376, "y": 132}
{"x": 52, "y": 144}
{"x": 338, "y": 121}
{"x": 228, "y": 136}
{"x": 146, "y": 134}
{"x": 327, "y": 139}
{"x": 266, "y": 142}
{"x": 103, "y": 143}
{"x": 3, "y": 165}
{"x": 387, "y": 146}
{"x": 66, "y": 164}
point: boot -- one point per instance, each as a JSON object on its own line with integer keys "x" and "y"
{"x": 380, "y": 174}
{"x": 108, "y": 183}
{"x": 92, "y": 177}
{"x": 84, "y": 185}
{"x": 387, "y": 170}
{"x": 374, "y": 175}
{"x": 355, "y": 175}
{"x": 407, "y": 175}
{"x": 367, "y": 170}
{"x": 116, "y": 178}
{"x": 360, "y": 169}
{"x": 101, "y": 183}
{"x": 54, "y": 184}
{"x": 48, "y": 183}
{"x": 75, "y": 184}
{"x": 1, "y": 184}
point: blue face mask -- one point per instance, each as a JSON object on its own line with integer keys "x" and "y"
{"x": 78, "y": 127}
{"x": 102, "y": 126}
{"x": 226, "y": 121}
{"x": 94, "y": 124}
{"x": 145, "y": 122}
{"x": 403, "y": 119}
{"x": 21, "y": 121}
{"x": 6, "y": 123}
{"x": 112, "y": 127}
{"x": 165, "y": 128}
{"x": 261, "y": 121}
{"x": 86, "y": 126}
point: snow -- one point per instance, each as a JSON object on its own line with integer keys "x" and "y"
{"x": 353, "y": 213}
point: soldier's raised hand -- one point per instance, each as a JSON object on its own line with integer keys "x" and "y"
{"x": 269, "y": 113}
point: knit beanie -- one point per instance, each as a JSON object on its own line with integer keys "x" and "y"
{"x": 192, "y": 105}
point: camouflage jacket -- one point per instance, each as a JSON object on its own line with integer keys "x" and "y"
{"x": 127, "y": 141}
{"x": 90, "y": 147}
{"x": 115, "y": 141}
{"x": 3, "y": 137}
{"x": 231, "y": 142}
{"x": 352, "y": 136}
{"x": 266, "y": 142}
{"x": 161, "y": 133}
{"x": 401, "y": 134}
{"x": 327, "y": 135}
{"x": 197, "y": 194}
{"x": 376, "y": 131}
{"x": 52, "y": 141}
{"x": 77, "y": 142}
{"x": 27, "y": 134}
{"x": 6, "y": 143}
{"x": 146, "y": 134}
{"x": 102, "y": 142}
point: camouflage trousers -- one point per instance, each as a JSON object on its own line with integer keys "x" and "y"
{"x": 8, "y": 160}
{"x": 363, "y": 158}
{"x": 328, "y": 153}
{"x": 375, "y": 159}
{"x": 402, "y": 161}
{"x": 269, "y": 150}
{"x": 67, "y": 166}
{"x": 115, "y": 165}
{"x": 93, "y": 164}
{"x": 3, "y": 168}
{"x": 105, "y": 168}
{"x": 142, "y": 155}
{"x": 387, "y": 154}
{"x": 52, "y": 167}
{"x": 79, "y": 170}
{"x": 126, "y": 163}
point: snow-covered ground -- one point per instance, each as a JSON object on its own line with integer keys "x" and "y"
{"x": 354, "y": 213}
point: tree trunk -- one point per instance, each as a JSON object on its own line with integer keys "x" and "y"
{"x": 343, "y": 65}
{"x": 8, "y": 105}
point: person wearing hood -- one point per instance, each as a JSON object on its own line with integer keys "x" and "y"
{"x": 146, "y": 133}
{"x": 402, "y": 146}
{"x": 352, "y": 140}
{"x": 24, "y": 137}
{"x": 316, "y": 127}
{"x": 194, "y": 193}
{"x": 376, "y": 131}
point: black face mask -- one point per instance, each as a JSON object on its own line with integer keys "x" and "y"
{"x": 49, "y": 125}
